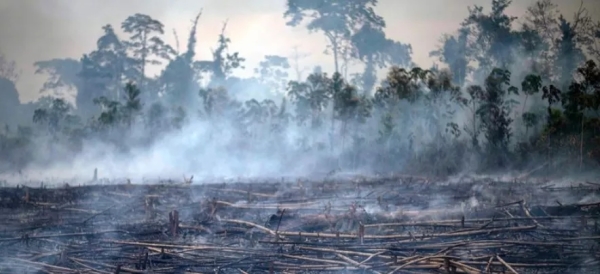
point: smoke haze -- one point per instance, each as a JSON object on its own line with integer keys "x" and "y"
{"x": 229, "y": 144}
{"x": 41, "y": 30}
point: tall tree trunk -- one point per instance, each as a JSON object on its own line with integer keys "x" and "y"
{"x": 581, "y": 144}
{"x": 144, "y": 56}
{"x": 335, "y": 58}
{"x": 335, "y": 47}
{"x": 369, "y": 76}
{"x": 331, "y": 133}
{"x": 117, "y": 80}
{"x": 297, "y": 65}
{"x": 523, "y": 112}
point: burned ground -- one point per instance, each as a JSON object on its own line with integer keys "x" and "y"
{"x": 374, "y": 225}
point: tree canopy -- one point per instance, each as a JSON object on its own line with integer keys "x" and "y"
{"x": 507, "y": 94}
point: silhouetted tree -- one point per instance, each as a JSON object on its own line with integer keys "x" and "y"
{"x": 145, "y": 44}
{"x": 375, "y": 50}
{"x": 494, "y": 114}
{"x": 530, "y": 86}
{"x": 568, "y": 55}
{"x": 63, "y": 74}
{"x": 103, "y": 71}
{"x": 223, "y": 62}
{"x": 455, "y": 53}
{"x": 180, "y": 79}
{"x": 56, "y": 117}
{"x": 9, "y": 102}
{"x": 311, "y": 98}
{"x": 337, "y": 20}
{"x": 493, "y": 36}
{"x": 417, "y": 120}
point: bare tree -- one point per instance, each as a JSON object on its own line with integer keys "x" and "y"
{"x": 296, "y": 57}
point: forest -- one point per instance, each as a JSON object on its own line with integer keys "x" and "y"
{"x": 508, "y": 94}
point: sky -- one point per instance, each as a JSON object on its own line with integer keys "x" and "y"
{"x": 33, "y": 30}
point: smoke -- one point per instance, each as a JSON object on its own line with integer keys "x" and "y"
{"x": 214, "y": 149}
{"x": 227, "y": 148}
{"x": 198, "y": 149}
{"x": 41, "y": 30}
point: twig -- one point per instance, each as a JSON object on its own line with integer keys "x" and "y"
{"x": 487, "y": 267}
{"x": 506, "y": 265}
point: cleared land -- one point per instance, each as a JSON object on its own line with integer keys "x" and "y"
{"x": 363, "y": 225}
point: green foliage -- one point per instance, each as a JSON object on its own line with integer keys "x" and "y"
{"x": 54, "y": 117}
{"x": 494, "y": 114}
{"x": 117, "y": 113}
{"x": 418, "y": 120}
{"x": 530, "y": 119}
{"x": 111, "y": 114}
{"x": 531, "y": 85}
{"x": 350, "y": 107}
{"x": 311, "y": 98}
{"x": 400, "y": 84}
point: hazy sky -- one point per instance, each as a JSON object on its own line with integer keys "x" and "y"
{"x": 33, "y": 30}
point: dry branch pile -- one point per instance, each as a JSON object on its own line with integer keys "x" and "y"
{"x": 391, "y": 225}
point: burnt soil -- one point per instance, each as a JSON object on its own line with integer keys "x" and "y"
{"x": 364, "y": 225}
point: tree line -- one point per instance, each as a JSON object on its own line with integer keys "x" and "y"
{"x": 511, "y": 94}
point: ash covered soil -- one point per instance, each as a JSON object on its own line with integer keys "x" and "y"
{"x": 336, "y": 225}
